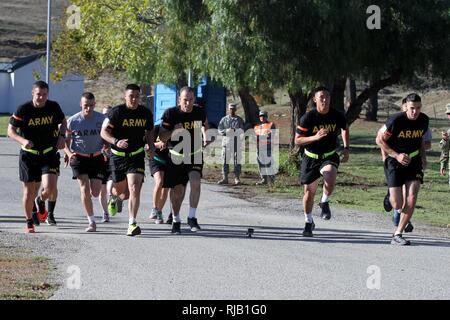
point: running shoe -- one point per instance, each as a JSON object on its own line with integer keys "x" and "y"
{"x": 105, "y": 217}
{"x": 51, "y": 220}
{"x": 35, "y": 218}
{"x": 387, "y": 203}
{"x": 159, "y": 217}
{"x": 92, "y": 227}
{"x": 112, "y": 205}
{"x": 169, "y": 219}
{"x": 192, "y": 222}
{"x": 153, "y": 214}
{"x": 398, "y": 240}
{"x": 176, "y": 228}
{"x": 409, "y": 227}
{"x": 326, "y": 212}
{"x": 30, "y": 227}
{"x": 41, "y": 210}
{"x": 308, "y": 230}
{"x": 133, "y": 230}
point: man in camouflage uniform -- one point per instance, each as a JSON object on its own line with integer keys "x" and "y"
{"x": 445, "y": 147}
{"x": 232, "y": 128}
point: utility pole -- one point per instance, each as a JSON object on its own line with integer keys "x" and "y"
{"x": 49, "y": 12}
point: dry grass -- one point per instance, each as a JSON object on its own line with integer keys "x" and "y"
{"x": 24, "y": 277}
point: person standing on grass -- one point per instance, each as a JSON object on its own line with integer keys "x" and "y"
{"x": 231, "y": 127}
{"x": 84, "y": 152}
{"x": 403, "y": 142}
{"x": 127, "y": 128}
{"x": 445, "y": 147}
{"x": 318, "y": 132}
{"x": 42, "y": 126}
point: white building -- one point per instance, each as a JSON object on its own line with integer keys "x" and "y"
{"x": 17, "y": 78}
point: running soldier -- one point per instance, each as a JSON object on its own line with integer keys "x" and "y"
{"x": 83, "y": 150}
{"x": 403, "y": 142}
{"x": 158, "y": 166}
{"x": 318, "y": 132}
{"x": 186, "y": 163}
{"x": 127, "y": 128}
{"x": 42, "y": 127}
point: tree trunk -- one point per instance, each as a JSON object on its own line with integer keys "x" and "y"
{"x": 350, "y": 92}
{"x": 337, "y": 95}
{"x": 355, "y": 108}
{"x": 299, "y": 102}
{"x": 250, "y": 106}
{"x": 372, "y": 107}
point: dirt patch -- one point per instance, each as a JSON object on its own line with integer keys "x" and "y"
{"x": 23, "y": 276}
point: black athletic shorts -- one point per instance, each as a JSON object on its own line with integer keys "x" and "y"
{"x": 32, "y": 167}
{"x": 310, "y": 168}
{"x": 397, "y": 174}
{"x": 176, "y": 174}
{"x": 121, "y": 166}
{"x": 94, "y": 168}
{"x": 158, "y": 164}
{"x": 108, "y": 175}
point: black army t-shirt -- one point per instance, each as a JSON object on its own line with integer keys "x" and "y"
{"x": 191, "y": 121}
{"x": 130, "y": 124}
{"x": 406, "y": 135}
{"x": 313, "y": 121}
{"x": 39, "y": 125}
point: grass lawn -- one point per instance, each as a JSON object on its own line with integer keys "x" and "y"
{"x": 361, "y": 183}
{"x": 4, "y": 120}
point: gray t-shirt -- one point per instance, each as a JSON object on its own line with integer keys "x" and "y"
{"x": 85, "y": 132}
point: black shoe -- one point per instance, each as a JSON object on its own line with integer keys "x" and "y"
{"x": 307, "y": 231}
{"x": 176, "y": 228}
{"x": 409, "y": 227}
{"x": 51, "y": 220}
{"x": 326, "y": 212}
{"x": 169, "y": 219}
{"x": 35, "y": 218}
{"x": 398, "y": 240}
{"x": 386, "y": 203}
{"x": 192, "y": 222}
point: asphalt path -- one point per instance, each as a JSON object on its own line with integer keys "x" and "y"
{"x": 350, "y": 256}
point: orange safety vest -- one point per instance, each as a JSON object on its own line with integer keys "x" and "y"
{"x": 263, "y": 129}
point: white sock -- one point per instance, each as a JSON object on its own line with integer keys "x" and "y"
{"x": 192, "y": 212}
{"x": 131, "y": 220}
{"x": 308, "y": 217}
{"x": 176, "y": 217}
{"x": 91, "y": 219}
{"x": 324, "y": 198}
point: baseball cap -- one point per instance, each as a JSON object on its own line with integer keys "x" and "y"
{"x": 263, "y": 113}
{"x": 232, "y": 106}
{"x": 447, "y": 108}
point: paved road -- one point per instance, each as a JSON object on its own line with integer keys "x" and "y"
{"x": 349, "y": 258}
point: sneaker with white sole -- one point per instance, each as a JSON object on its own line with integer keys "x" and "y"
{"x": 92, "y": 227}
{"x": 105, "y": 217}
{"x": 159, "y": 217}
{"x": 153, "y": 214}
{"x": 133, "y": 230}
{"x": 398, "y": 240}
{"x": 193, "y": 224}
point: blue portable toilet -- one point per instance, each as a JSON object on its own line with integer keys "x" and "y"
{"x": 164, "y": 98}
{"x": 208, "y": 95}
{"x": 214, "y": 98}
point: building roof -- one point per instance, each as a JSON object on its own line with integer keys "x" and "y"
{"x": 8, "y": 67}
